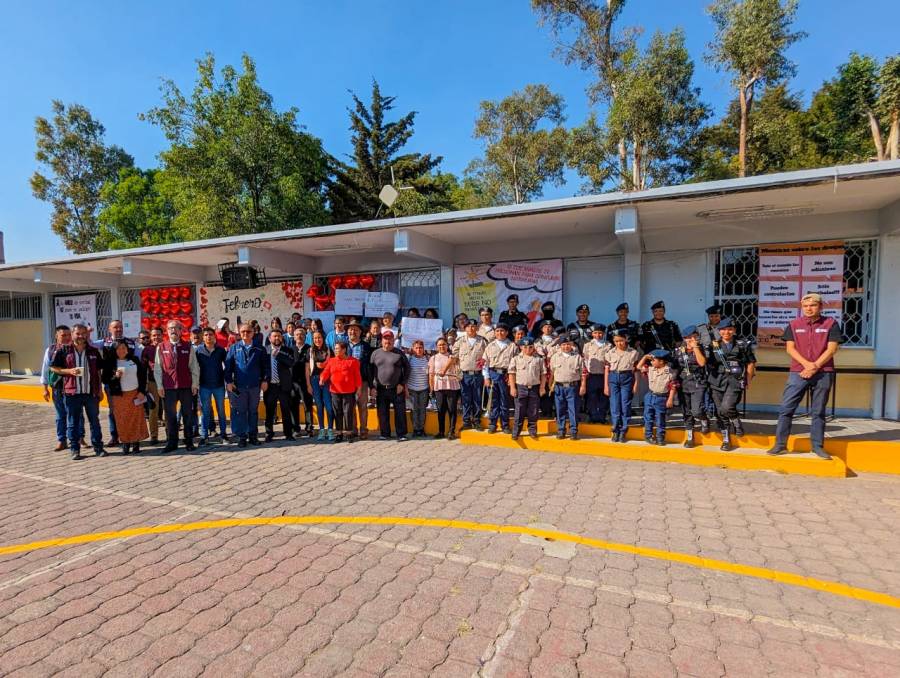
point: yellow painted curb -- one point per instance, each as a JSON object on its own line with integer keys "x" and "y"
{"x": 835, "y": 468}
{"x": 789, "y": 578}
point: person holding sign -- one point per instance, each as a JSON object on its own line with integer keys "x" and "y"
{"x": 811, "y": 342}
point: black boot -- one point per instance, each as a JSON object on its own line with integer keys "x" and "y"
{"x": 661, "y": 439}
{"x": 689, "y": 438}
{"x": 126, "y": 448}
{"x": 726, "y": 441}
{"x": 171, "y": 445}
{"x": 136, "y": 448}
{"x": 704, "y": 426}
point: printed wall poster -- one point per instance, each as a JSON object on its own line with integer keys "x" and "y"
{"x": 786, "y": 273}
{"x": 80, "y": 309}
{"x": 535, "y": 282}
{"x": 276, "y": 299}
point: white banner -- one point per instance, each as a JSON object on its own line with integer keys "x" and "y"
{"x": 379, "y": 303}
{"x": 277, "y": 299}
{"x": 428, "y": 330}
{"x": 78, "y": 310}
{"x": 349, "y": 302}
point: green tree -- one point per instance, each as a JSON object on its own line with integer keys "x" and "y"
{"x": 585, "y": 37}
{"x": 377, "y": 160}
{"x": 526, "y": 144}
{"x": 889, "y": 102}
{"x": 236, "y": 164}
{"x": 752, "y": 37}
{"x": 78, "y": 163}
{"x": 657, "y": 113}
{"x": 134, "y": 213}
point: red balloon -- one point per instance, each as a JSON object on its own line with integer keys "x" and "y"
{"x": 335, "y": 281}
{"x": 155, "y": 323}
{"x": 145, "y": 323}
{"x": 366, "y": 281}
{"x": 313, "y": 291}
{"x": 154, "y": 294}
{"x": 144, "y": 294}
{"x": 145, "y": 306}
{"x": 323, "y": 301}
{"x": 351, "y": 281}
{"x": 164, "y": 294}
{"x": 185, "y": 292}
{"x": 187, "y": 306}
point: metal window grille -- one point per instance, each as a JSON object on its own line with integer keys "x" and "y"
{"x": 737, "y": 281}
{"x": 420, "y": 288}
{"x": 15, "y": 306}
{"x": 129, "y": 299}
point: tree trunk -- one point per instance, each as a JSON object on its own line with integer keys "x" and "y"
{"x": 742, "y": 143}
{"x": 518, "y": 197}
{"x": 876, "y": 135}
{"x": 894, "y": 136}
{"x": 636, "y": 167}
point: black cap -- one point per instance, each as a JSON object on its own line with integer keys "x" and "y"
{"x": 725, "y": 322}
{"x": 715, "y": 309}
{"x": 485, "y": 309}
{"x": 526, "y": 341}
{"x": 545, "y": 322}
{"x": 573, "y": 335}
{"x": 622, "y": 307}
{"x": 471, "y": 322}
{"x": 584, "y": 308}
{"x": 598, "y": 327}
{"x": 660, "y": 353}
{"x": 501, "y": 326}
{"x": 196, "y": 328}
{"x": 512, "y": 297}
{"x": 620, "y": 333}
{"x": 689, "y": 330}
{"x": 558, "y": 332}
{"x": 658, "y": 304}
{"x": 519, "y": 328}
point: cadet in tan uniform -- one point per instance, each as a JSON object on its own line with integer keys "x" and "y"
{"x": 570, "y": 382}
{"x": 620, "y": 383}
{"x": 498, "y": 355}
{"x": 660, "y": 394}
{"x": 486, "y": 328}
{"x": 594, "y": 352}
{"x": 527, "y": 380}
{"x": 468, "y": 352}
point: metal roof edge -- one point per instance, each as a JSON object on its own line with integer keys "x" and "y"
{"x": 776, "y": 180}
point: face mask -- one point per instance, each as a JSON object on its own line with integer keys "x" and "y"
{"x": 599, "y": 342}
{"x": 548, "y": 313}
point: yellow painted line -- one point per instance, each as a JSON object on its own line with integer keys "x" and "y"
{"x": 789, "y": 578}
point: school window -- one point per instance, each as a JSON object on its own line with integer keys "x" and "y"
{"x": 420, "y": 289}
{"x": 20, "y": 306}
{"x": 737, "y": 282}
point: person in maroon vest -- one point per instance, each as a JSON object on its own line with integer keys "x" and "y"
{"x": 812, "y": 341}
{"x": 177, "y": 374}
{"x": 79, "y": 364}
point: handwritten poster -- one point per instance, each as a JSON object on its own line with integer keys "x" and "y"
{"x": 276, "y": 299}
{"x": 428, "y": 330}
{"x": 535, "y": 282}
{"x": 131, "y": 323}
{"x": 789, "y": 271}
{"x": 349, "y": 302}
{"x": 379, "y": 303}
{"x": 78, "y": 309}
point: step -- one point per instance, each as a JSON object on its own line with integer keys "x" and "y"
{"x": 742, "y": 459}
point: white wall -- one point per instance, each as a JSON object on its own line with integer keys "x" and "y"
{"x": 595, "y": 281}
{"x": 680, "y": 280}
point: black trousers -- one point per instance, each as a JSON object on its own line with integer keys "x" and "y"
{"x": 447, "y": 402}
{"x": 344, "y": 405}
{"x": 275, "y": 396}
{"x": 385, "y": 398}
{"x": 692, "y": 405}
{"x": 727, "y": 401}
{"x": 305, "y": 397}
{"x": 527, "y": 402}
{"x": 174, "y": 398}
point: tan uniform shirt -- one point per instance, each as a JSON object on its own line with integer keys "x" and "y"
{"x": 528, "y": 369}
{"x": 469, "y": 356}
{"x": 658, "y": 379}
{"x": 498, "y": 356}
{"x": 595, "y": 356}
{"x": 566, "y": 367}
{"x": 486, "y": 331}
{"x": 623, "y": 361}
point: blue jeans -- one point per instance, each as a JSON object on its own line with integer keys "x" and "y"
{"x": 654, "y": 413}
{"x": 620, "y": 397}
{"x": 322, "y": 399}
{"x": 566, "y": 400}
{"x": 820, "y": 387}
{"x": 113, "y": 432}
{"x": 244, "y": 412}
{"x": 470, "y": 391}
{"x": 207, "y": 421}
{"x": 499, "y": 414}
{"x": 75, "y": 421}
{"x": 59, "y": 404}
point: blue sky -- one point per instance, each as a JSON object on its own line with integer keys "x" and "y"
{"x": 439, "y": 58}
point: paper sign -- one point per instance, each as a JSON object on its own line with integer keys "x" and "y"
{"x": 379, "y": 303}
{"x": 832, "y": 291}
{"x": 776, "y": 317}
{"x": 779, "y": 290}
{"x": 131, "y": 323}
{"x": 779, "y": 267}
{"x": 823, "y": 265}
{"x": 349, "y": 302}
{"x": 277, "y": 299}
{"x": 78, "y": 310}
{"x": 428, "y": 330}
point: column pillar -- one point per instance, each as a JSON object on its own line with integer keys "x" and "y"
{"x": 628, "y": 232}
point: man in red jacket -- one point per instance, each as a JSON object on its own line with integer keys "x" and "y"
{"x": 177, "y": 374}
{"x": 812, "y": 341}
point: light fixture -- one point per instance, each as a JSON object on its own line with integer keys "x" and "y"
{"x": 756, "y": 212}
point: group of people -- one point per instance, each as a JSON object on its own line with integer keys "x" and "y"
{"x": 324, "y": 382}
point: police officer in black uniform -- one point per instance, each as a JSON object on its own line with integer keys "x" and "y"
{"x": 548, "y": 308}
{"x": 660, "y": 333}
{"x": 731, "y": 367}
{"x": 709, "y": 332}
{"x": 582, "y": 325}
{"x": 512, "y": 316}
{"x": 631, "y": 328}
{"x": 690, "y": 365}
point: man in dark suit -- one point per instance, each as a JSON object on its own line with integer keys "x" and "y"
{"x": 281, "y": 361}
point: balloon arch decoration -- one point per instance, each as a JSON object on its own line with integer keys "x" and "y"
{"x": 323, "y": 291}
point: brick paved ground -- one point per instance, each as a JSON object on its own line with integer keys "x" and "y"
{"x": 415, "y": 601}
